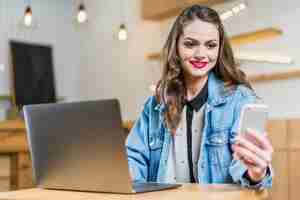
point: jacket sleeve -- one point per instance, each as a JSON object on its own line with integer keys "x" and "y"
{"x": 137, "y": 146}
{"x": 237, "y": 168}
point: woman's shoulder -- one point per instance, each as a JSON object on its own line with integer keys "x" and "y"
{"x": 152, "y": 103}
{"x": 243, "y": 95}
{"x": 243, "y": 91}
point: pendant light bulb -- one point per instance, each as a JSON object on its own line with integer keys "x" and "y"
{"x": 28, "y": 16}
{"x": 81, "y": 15}
{"x": 122, "y": 35}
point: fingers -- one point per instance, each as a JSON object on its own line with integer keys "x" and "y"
{"x": 264, "y": 155}
{"x": 260, "y": 139}
{"x": 250, "y": 164}
{"x": 249, "y": 157}
{"x": 244, "y": 159}
{"x": 254, "y": 150}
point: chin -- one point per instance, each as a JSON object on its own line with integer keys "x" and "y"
{"x": 199, "y": 73}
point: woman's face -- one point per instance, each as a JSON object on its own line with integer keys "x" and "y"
{"x": 198, "y": 48}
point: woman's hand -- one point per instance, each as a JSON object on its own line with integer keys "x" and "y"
{"x": 255, "y": 151}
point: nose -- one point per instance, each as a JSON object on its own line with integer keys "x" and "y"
{"x": 200, "y": 53}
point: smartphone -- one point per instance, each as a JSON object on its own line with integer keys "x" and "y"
{"x": 253, "y": 116}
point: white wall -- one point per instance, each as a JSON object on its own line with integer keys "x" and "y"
{"x": 118, "y": 69}
{"x": 54, "y": 19}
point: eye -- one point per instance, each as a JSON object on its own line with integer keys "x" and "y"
{"x": 212, "y": 45}
{"x": 189, "y": 44}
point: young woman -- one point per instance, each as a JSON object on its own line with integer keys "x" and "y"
{"x": 187, "y": 132}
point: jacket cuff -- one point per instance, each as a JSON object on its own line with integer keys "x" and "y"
{"x": 266, "y": 182}
{"x": 238, "y": 170}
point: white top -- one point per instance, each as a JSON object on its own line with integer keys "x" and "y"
{"x": 177, "y": 164}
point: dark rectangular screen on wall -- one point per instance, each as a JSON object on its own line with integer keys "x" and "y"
{"x": 32, "y": 73}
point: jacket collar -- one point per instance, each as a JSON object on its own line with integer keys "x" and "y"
{"x": 217, "y": 94}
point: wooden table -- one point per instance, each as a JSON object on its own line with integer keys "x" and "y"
{"x": 187, "y": 192}
{"x": 13, "y": 143}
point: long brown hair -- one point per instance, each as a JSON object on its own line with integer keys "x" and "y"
{"x": 171, "y": 89}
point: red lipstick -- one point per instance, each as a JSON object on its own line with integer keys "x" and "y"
{"x": 198, "y": 64}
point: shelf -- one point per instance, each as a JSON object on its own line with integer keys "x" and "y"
{"x": 252, "y": 37}
{"x": 274, "y": 76}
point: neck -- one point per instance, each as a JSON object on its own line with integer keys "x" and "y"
{"x": 194, "y": 86}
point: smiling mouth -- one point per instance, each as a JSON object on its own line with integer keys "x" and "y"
{"x": 198, "y": 64}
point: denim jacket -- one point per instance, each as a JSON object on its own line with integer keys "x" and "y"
{"x": 149, "y": 140}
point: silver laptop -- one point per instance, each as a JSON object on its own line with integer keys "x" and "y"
{"x": 81, "y": 146}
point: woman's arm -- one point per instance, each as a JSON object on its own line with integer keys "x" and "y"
{"x": 137, "y": 146}
{"x": 255, "y": 151}
{"x": 242, "y": 172}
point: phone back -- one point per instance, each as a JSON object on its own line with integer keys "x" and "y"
{"x": 254, "y": 116}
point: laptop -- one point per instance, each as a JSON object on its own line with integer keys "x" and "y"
{"x": 81, "y": 146}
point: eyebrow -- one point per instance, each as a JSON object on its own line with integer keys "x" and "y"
{"x": 194, "y": 40}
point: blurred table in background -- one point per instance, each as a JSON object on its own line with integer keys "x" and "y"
{"x": 13, "y": 143}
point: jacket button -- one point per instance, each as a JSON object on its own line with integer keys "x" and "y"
{"x": 151, "y": 143}
{"x": 219, "y": 141}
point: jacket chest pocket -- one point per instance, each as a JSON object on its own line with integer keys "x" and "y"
{"x": 218, "y": 148}
{"x": 221, "y": 118}
{"x": 155, "y": 143}
{"x": 219, "y": 156}
{"x": 155, "y": 147}
{"x": 156, "y": 134}
{"x": 156, "y": 137}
